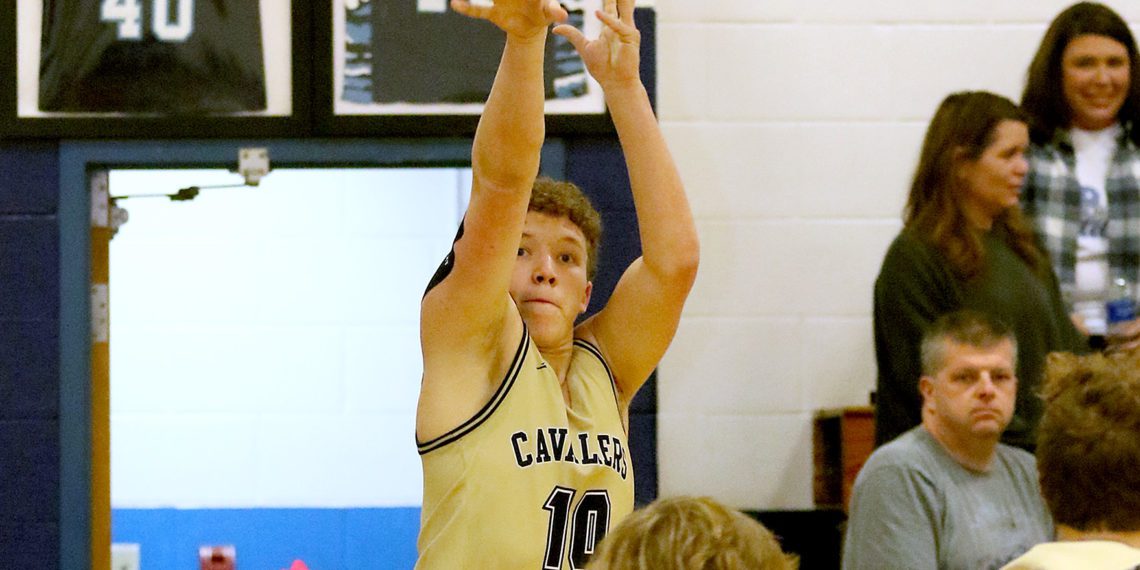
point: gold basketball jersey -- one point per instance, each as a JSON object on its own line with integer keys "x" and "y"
{"x": 529, "y": 482}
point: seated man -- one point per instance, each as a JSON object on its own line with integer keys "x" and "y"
{"x": 1088, "y": 450}
{"x": 947, "y": 494}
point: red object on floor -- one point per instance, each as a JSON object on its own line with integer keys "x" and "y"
{"x": 217, "y": 558}
{"x": 298, "y": 565}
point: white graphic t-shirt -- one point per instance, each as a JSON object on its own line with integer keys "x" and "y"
{"x": 1094, "y": 151}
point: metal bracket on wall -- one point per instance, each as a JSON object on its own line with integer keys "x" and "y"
{"x": 100, "y": 219}
{"x": 100, "y": 199}
{"x": 253, "y": 164}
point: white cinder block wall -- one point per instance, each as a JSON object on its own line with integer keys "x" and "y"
{"x": 796, "y": 126}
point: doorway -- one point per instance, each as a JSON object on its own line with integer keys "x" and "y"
{"x": 265, "y": 360}
{"x": 77, "y": 161}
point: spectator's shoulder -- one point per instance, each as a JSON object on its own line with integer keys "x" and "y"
{"x": 904, "y": 454}
{"x": 1018, "y": 459}
{"x": 1040, "y": 150}
{"x": 907, "y": 253}
{"x": 906, "y": 242}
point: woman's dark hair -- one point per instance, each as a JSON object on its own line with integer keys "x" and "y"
{"x": 961, "y": 130}
{"x": 1044, "y": 97}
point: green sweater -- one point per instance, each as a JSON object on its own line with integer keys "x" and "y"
{"x": 916, "y": 285}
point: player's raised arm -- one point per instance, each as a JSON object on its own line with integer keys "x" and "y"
{"x": 511, "y": 130}
{"x": 638, "y": 323}
{"x": 468, "y": 301}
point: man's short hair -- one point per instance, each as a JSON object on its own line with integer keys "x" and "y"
{"x": 564, "y": 199}
{"x": 680, "y": 533}
{"x": 1088, "y": 444}
{"x": 965, "y": 327}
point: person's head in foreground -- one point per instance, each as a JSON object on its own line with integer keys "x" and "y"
{"x": 690, "y": 533}
{"x": 1088, "y": 446}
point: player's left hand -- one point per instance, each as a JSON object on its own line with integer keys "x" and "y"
{"x": 613, "y": 58}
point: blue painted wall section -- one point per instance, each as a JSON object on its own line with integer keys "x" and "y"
{"x": 271, "y": 539}
{"x": 29, "y": 355}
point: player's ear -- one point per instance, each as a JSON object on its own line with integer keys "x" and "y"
{"x": 586, "y": 297}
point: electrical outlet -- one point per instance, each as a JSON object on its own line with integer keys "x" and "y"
{"x": 125, "y": 556}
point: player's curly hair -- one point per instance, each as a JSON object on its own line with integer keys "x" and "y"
{"x": 690, "y": 533}
{"x": 564, "y": 199}
{"x": 1088, "y": 444}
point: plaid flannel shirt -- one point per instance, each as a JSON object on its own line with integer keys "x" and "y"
{"x": 1051, "y": 199}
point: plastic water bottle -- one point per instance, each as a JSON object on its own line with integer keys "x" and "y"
{"x": 1121, "y": 304}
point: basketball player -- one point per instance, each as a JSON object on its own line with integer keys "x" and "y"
{"x": 523, "y": 416}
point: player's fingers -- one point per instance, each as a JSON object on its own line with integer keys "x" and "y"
{"x": 610, "y": 7}
{"x": 573, "y": 35}
{"x": 625, "y": 11}
{"x": 555, "y": 12}
{"x": 471, "y": 10}
{"x": 627, "y": 32}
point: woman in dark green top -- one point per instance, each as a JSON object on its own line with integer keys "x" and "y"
{"x": 964, "y": 244}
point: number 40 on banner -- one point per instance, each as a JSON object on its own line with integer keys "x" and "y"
{"x": 127, "y": 15}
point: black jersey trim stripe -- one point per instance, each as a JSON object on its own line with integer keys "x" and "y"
{"x": 598, "y": 354}
{"x": 489, "y": 408}
{"x": 446, "y": 265}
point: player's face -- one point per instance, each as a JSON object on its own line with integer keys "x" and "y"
{"x": 973, "y": 395}
{"x": 549, "y": 284}
{"x": 1095, "y": 74}
{"x": 993, "y": 180}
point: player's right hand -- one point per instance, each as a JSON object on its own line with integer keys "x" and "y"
{"x": 519, "y": 18}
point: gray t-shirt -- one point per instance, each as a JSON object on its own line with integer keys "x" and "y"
{"x": 914, "y": 507}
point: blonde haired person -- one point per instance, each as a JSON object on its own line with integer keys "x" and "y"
{"x": 1088, "y": 453}
{"x": 690, "y": 533}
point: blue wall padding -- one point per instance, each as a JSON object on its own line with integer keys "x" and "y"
{"x": 29, "y": 472}
{"x": 29, "y": 267}
{"x": 30, "y": 181}
{"x": 29, "y": 355}
{"x": 271, "y": 539}
{"x": 29, "y": 370}
{"x": 29, "y": 545}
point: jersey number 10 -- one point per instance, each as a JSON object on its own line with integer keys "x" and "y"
{"x": 127, "y": 14}
{"x": 590, "y": 522}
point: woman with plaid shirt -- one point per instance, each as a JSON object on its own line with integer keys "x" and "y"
{"x": 1082, "y": 192}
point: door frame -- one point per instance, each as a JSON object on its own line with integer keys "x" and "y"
{"x": 77, "y": 159}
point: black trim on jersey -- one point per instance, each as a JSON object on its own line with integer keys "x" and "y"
{"x": 613, "y": 383}
{"x": 444, "y": 268}
{"x": 489, "y": 408}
